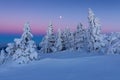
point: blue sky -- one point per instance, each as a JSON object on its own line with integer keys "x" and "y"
{"x": 14, "y": 13}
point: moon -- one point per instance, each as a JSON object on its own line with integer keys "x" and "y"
{"x": 60, "y": 17}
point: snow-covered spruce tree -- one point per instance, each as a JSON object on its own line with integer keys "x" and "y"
{"x": 66, "y": 37}
{"x": 25, "y": 47}
{"x": 47, "y": 45}
{"x": 72, "y": 41}
{"x": 2, "y": 56}
{"x": 94, "y": 36}
{"x": 114, "y": 49}
{"x": 60, "y": 46}
{"x": 44, "y": 45}
{"x": 10, "y": 51}
{"x": 113, "y": 43}
{"x": 11, "y": 47}
{"x": 79, "y": 37}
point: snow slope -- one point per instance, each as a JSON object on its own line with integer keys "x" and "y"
{"x": 105, "y": 67}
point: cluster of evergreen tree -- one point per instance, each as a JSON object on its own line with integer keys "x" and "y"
{"x": 24, "y": 49}
{"x": 90, "y": 39}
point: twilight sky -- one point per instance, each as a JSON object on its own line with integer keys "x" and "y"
{"x": 14, "y": 13}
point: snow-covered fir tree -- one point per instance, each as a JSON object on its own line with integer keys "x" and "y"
{"x": 60, "y": 46}
{"x": 94, "y": 36}
{"x": 79, "y": 37}
{"x": 44, "y": 45}
{"x": 25, "y": 47}
{"x": 72, "y": 41}
{"x": 113, "y": 43}
{"x": 114, "y": 49}
{"x": 66, "y": 37}
{"x": 11, "y": 47}
{"x": 48, "y": 43}
{"x": 2, "y": 56}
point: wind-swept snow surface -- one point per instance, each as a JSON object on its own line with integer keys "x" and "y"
{"x": 105, "y": 67}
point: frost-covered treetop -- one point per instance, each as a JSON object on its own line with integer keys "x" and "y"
{"x": 50, "y": 29}
{"x": 93, "y": 20}
{"x": 27, "y": 35}
{"x": 91, "y": 13}
{"x": 91, "y": 17}
{"x": 59, "y": 33}
{"x": 27, "y": 27}
{"x": 79, "y": 27}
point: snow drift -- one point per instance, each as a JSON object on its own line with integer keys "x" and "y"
{"x": 81, "y": 68}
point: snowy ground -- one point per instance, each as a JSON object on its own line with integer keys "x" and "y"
{"x": 67, "y": 66}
